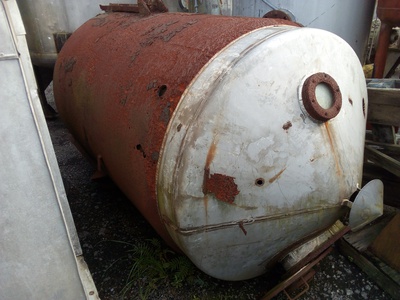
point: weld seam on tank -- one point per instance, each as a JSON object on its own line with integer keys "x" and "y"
{"x": 207, "y": 228}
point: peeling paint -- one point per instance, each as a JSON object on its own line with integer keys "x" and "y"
{"x": 69, "y": 64}
{"x": 223, "y": 187}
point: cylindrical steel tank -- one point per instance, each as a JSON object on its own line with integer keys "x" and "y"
{"x": 46, "y": 21}
{"x": 237, "y": 138}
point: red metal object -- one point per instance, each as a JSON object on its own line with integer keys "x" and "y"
{"x": 303, "y": 272}
{"x": 310, "y": 100}
{"x": 118, "y": 80}
{"x": 388, "y": 12}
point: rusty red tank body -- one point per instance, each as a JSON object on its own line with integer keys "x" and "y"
{"x": 208, "y": 124}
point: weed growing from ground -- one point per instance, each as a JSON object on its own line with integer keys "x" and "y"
{"x": 153, "y": 265}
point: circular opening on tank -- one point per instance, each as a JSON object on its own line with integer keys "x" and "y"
{"x": 321, "y": 97}
{"x": 260, "y": 181}
{"x": 324, "y": 95}
{"x": 279, "y": 14}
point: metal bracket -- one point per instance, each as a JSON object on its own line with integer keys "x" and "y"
{"x": 295, "y": 277}
{"x": 307, "y": 287}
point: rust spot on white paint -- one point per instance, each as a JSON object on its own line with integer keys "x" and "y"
{"x": 222, "y": 186}
{"x": 287, "y": 125}
{"x": 277, "y": 175}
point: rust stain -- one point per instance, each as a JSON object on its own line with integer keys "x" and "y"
{"x": 242, "y": 227}
{"x": 329, "y": 135}
{"x": 246, "y": 207}
{"x": 337, "y": 165}
{"x": 222, "y": 186}
{"x": 287, "y": 125}
{"x": 211, "y": 155}
{"x": 209, "y": 159}
{"x": 277, "y": 175}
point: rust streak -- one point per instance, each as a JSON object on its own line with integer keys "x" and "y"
{"x": 329, "y": 135}
{"x": 337, "y": 165}
{"x": 277, "y": 175}
{"x": 211, "y": 155}
{"x": 209, "y": 159}
{"x": 242, "y": 227}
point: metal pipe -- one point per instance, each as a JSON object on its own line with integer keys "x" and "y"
{"x": 388, "y": 12}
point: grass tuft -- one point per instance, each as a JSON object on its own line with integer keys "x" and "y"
{"x": 154, "y": 265}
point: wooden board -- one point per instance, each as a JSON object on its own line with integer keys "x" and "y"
{"x": 354, "y": 245}
{"x": 384, "y": 105}
{"x": 386, "y": 246}
{"x": 361, "y": 239}
{"x": 373, "y": 271}
{"x": 388, "y": 149}
{"x": 383, "y": 133}
{"x": 383, "y": 160}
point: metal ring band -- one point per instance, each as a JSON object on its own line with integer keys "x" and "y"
{"x": 310, "y": 102}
